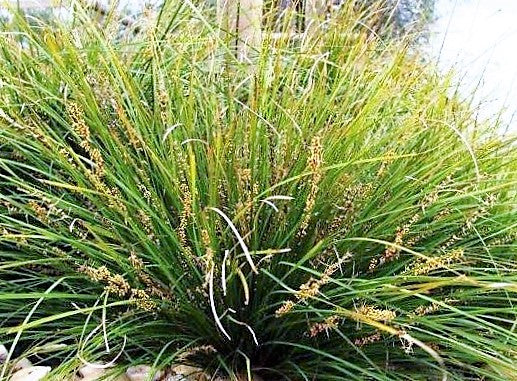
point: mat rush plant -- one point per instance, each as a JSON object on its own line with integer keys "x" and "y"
{"x": 330, "y": 212}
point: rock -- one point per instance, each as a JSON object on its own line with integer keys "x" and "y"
{"x": 33, "y": 373}
{"x": 3, "y": 353}
{"x": 183, "y": 373}
{"x": 22, "y": 363}
{"x": 174, "y": 377}
{"x": 90, "y": 373}
{"x": 141, "y": 373}
{"x": 189, "y": 373}
{"x": 93, "y": 372}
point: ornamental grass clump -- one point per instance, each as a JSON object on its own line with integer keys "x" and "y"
{"x": 328, "y": 211}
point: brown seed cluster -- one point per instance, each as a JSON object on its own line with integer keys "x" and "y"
{"x": 58, "y": 252}
{"x": 131, "y": 133}
{"x": 19, "y": 239}
{"x": 311, "y": 288}
{"x": 136, "y": 262}
{"x": 389, "y": 158}
{"x": 426, "y": 310}
{"x": 375, "y": 313}
{"x": 329, "y": 323}
{"x": 153, "y": 288}
{"x": 78, "y": 123}
{"x": 65, "y": 153}
{"x": 249, "y": 190}
{"x": 114, "y": 198}
{"x": 432, "y": 197}
{"x": 147, "y": 224}
{"x": 79, "y": 228}
{"x": 142, "y": 300}
{"x": 163, "y": 104}
{"x": 116, "y": 284}
{"x": 5, "y": 204}
{"x": 208, "y": 258}
{"x": 442, "y": 214}
{"x": 427, "y": 265}
{"x": 392, "y": 251}
{"x": 504, "y": 240}
{"x": 81, "y": 128}
{"x": 430, "y": 308}
{"x": 314, "y": 163}
{"x": 484, "y": 210}
{"x": 45, "y": 210}
{"x": 280, "y": 168}
{"x": 346, "y": 211}
{"x": 185, "y": 215}
{"x": 145, "y": 192}
{"x": 370, "y": 339}
{"x": 30, "y": 128}
{"x": 83, "y": 131}
{"x": 101, "y": 88}
{"x": 41, "y": 212}
{"x": 285, "y": 308}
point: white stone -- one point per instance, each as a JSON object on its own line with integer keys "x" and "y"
{"x": 22, "y": 363}
{"x": 90, "y": 372}
{"x": 33, "y": 373}
{"x": 93, "y": 372}
{"x": 186, "y": 370}
{"x": 175, "y": 377}
{"x": 139, "y": 373}
{"x": 3, "y": 353}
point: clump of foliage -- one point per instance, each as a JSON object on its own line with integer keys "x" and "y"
{"x": 330, "y": 212}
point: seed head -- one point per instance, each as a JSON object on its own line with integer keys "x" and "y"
{"x": 375, "y": 313}
{"x": 286, "y": 307}
{"x": 329, "y": 323}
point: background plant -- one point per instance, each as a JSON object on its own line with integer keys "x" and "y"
{"x": 331, "y": 213}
